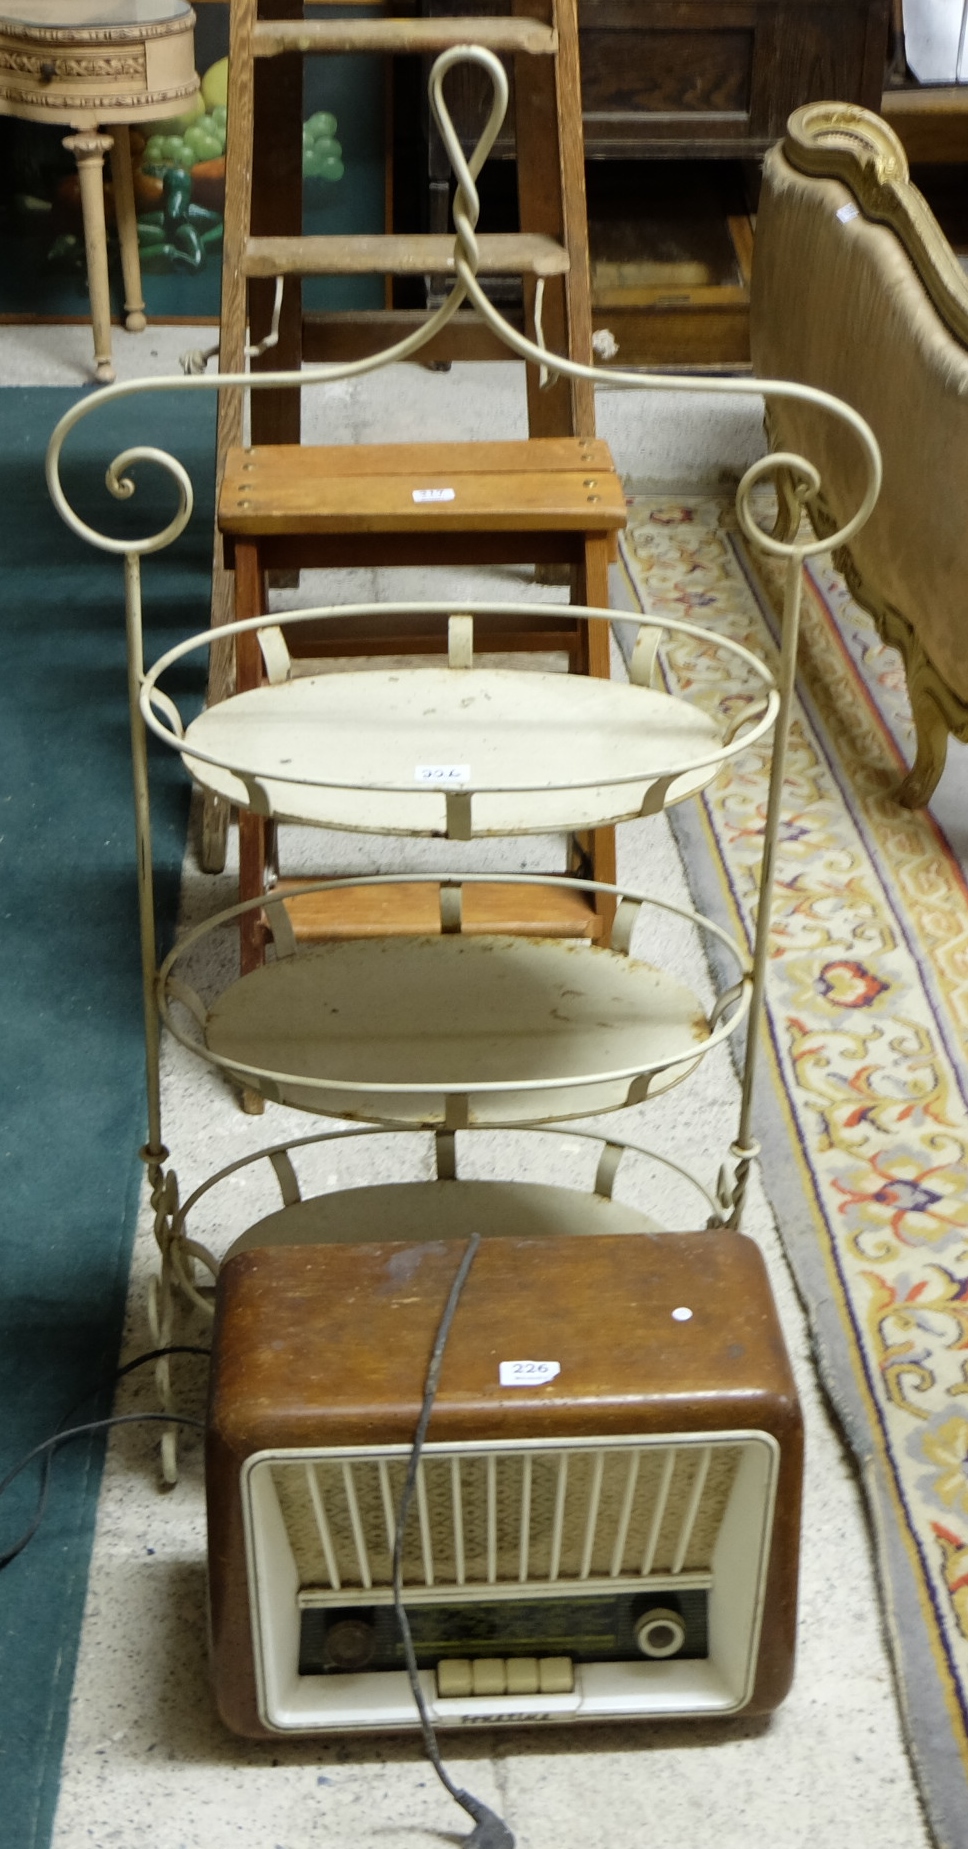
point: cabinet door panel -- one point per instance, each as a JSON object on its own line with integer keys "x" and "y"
{"x": 672, "y": 84}
{"x": 665, "y": 72}
{"x": 682, "y": 77}
{"x": 825, "y": 57}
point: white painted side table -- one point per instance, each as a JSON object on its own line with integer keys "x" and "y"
{"x": 90, "y": 65}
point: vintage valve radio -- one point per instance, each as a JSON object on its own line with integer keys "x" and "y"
{"x": 611, "y": 1535}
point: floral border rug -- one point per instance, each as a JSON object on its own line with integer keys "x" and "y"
{"x": 862, "y": 1101}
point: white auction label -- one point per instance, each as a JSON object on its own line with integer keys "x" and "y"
{"x": 848, "y": 212}
{"x": 434, "y": 494}
{"x": 527, "y": 1373}
{"x": 442, "y": 773}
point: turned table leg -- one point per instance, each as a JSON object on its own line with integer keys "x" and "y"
{"x": 134, "y": 301}
{"x": 89, "y": 151}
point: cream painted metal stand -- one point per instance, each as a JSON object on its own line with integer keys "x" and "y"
{"x": 92, "y": 64}
{"x": 450, "y": 1031}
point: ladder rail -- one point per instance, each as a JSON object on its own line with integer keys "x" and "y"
{"x": 551, "y": 194}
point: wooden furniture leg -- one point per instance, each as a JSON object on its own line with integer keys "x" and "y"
{"x": 252, "y": 862}
{"x": 277, "y": 210}
{"x": 789, "y": 507}
{"x": 551, "y": 199}
{"x": 221, "y": 672}
{"x": 250, "y": 600}
{"x": 231, "y": 410}
{"x": 932, "y": 731}
{"x": 250, "y": 595}
{"x": 89, "y": 150}
{"x": 591, "y": 587}
{"x": 134, "y": 301}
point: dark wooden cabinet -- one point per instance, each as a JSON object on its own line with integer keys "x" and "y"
{"x": 707, "y": 77}
{"x": 681, "y": 78}
{"x": 666, "y": 81}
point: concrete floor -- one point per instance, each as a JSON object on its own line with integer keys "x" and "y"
{"x": 147, "y": 1763}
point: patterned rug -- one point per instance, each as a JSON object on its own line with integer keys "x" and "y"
{"x": 862, "y": 1104}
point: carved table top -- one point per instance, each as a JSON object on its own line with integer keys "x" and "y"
{"x": 87, "y": 62}
{"x": 83, "y": 15}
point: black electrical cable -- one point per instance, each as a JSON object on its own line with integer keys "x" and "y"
{"x": 490, "y": 1831}
{"x": 63, "y": 1433}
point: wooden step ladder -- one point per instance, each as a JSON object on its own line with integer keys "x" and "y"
{"x": 263, "y": 211}
{"x": 547, "y": 500}
{"x": 264, "y": 241}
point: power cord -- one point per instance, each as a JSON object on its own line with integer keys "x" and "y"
{"x": 490, "y": 1831}
{"x": 64, "y": 1433}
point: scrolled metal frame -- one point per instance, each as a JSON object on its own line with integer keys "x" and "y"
{"x": 787, "y": 468}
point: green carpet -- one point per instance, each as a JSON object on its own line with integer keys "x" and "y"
{"x": 72, "y": 1105}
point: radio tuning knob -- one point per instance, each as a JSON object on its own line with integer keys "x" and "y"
{"x": 350, "y": 1643}
{"x": 660, "y": 1632}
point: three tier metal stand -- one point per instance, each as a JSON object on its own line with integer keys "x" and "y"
{"x": 451, "y": 1031}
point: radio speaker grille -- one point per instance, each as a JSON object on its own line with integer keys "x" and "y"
{"x": 539, "y": 1516}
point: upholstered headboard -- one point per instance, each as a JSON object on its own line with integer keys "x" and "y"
{"x": 855, "y": 289}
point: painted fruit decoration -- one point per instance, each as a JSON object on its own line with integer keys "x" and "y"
{"x": 187, "y": 155}
{"x": 179, "y": 182}
{"x": 322, "y": 153}
{"x": 180, "y": 235}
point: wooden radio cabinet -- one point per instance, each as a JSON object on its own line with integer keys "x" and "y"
{"x": 655, "y": 1478}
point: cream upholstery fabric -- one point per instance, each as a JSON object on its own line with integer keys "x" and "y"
{"x": 837, "y": 302}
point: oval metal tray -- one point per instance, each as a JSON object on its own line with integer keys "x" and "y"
{"x": 591, "y": 751}
{"x": 459, "y": 750}
{"x": 453, "y": 1030}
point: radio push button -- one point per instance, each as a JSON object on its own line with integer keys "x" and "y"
{"x": 487, "y": 1676}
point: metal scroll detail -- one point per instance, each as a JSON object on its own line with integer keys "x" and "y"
{"x": 468, "y": 289}
{"x": 795, "y": 476}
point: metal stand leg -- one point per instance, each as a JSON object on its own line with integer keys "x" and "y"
{"x": 746, "y": 1148}
{"x": 89, "y": 151}
{"x": 134, "y": 301}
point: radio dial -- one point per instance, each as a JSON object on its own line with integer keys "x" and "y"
{"x": 350, "y": 1643}
{"x": 660, "y": 1633}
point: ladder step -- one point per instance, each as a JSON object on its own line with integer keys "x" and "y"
{"x": 409, "y": 909}
{"x": 274, "y": 38}
{"x": 386, "y": 254}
